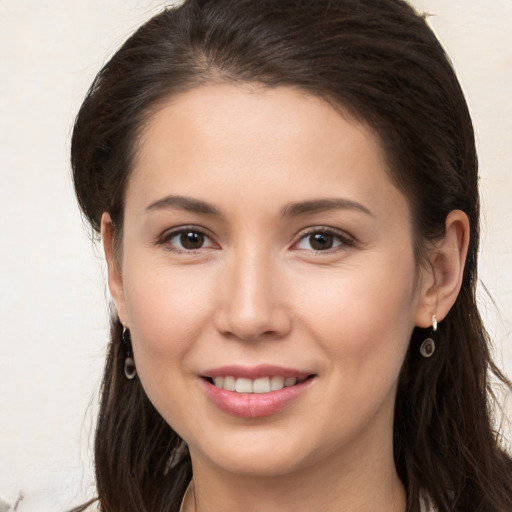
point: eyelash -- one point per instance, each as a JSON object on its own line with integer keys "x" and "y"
{"x": 170, "y": 235}
{"x": 343, "y": 240}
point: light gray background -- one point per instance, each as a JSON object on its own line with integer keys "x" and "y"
{"x": 53, "y": 303}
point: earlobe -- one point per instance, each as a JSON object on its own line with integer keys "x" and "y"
{"x": 447, "y": 259}
{"x": 115, "y": 278}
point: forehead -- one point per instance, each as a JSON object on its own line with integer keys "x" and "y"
{"x": 231, "y": 138}
{"x": 242, "y": 114}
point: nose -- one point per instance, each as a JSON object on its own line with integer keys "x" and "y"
{"x": 252, "y": 298}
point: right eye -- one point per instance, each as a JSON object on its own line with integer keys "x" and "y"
{"x": 187, "y": 239}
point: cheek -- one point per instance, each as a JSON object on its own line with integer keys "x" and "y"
{"x": 166, "y": 310}
{"x": 364, "y": 315}
{"x": 167, "y": 313}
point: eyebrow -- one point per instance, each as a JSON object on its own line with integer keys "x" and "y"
{"x": 190, "y": 204}
{"x": 184, "y": 203}
{"x": 322, "y": 205}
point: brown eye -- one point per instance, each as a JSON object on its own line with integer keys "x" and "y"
{"x": 191, "y": 240}
{"x": 187, "y": 240}
{"x": 321, "y": 241}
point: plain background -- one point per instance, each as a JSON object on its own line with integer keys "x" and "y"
{"x": 53, "y": 301}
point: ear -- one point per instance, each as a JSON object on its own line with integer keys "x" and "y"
{"x": 115, "y": 276}
{"x": 442, "y": 280}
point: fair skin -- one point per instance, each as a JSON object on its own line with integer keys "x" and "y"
{"x": 263, "y": 235}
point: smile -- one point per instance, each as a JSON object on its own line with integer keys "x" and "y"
{"x": 255, "y": 392}
{"x": 261, "y": 385}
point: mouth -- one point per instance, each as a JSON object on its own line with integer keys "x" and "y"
{"x": 256, "y": 391}
{"x": 259, "y": 385}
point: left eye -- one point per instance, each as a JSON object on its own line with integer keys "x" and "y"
{"x": 188, "y": 240}
{"x": 321, "y": 241}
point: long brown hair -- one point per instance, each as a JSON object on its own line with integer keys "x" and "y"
{"x": 380, "y": 61}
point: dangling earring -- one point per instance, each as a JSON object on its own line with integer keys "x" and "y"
{"x": 428, "y": 347}
{"x": 129, "y": 364}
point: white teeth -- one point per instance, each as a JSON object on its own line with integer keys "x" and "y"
{"x": 229, "y": 384}
{"x": 243, "y": 386}
{"x": 276, "y": 383}
{"x": 261, "y": 385}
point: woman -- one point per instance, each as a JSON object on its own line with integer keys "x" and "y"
{"x": 286, "y": 191}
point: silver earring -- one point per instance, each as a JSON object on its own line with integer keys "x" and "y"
{"x": 434, "y": 323}
{"x": 428, "y": 347}
{"x": 129, "y": 363}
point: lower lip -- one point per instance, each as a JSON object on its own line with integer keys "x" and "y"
{"x": 254, "y": 405}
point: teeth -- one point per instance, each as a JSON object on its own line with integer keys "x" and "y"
{"x": 276, "y": 383}
{"x": 243, "y": 386}
{"x": 261, "y": 385}
{"x": 290, "y": 381}
{"x": 229, "y": 384}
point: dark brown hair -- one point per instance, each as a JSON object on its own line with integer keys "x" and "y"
{"x": 378, "y": 60}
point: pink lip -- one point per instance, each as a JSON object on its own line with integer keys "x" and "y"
{"x": 254, "y": 405}
{"x": 255, "y": 372}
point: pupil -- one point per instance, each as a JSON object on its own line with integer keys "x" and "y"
{"x": 321, "y": 241}
{"x": 191, "y": 240}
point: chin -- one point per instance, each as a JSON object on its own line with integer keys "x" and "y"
{"x": 253, "y": 456}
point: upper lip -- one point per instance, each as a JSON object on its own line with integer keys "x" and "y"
{"x": 255, "y": 372}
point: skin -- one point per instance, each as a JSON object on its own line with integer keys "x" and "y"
{"x": 256, "y": 291}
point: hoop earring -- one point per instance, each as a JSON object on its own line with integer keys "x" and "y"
{"x": 129, "y": 363}
{"x": 428, "y": 347}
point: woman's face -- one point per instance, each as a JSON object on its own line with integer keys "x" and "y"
{"x": 264, "y": 246}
